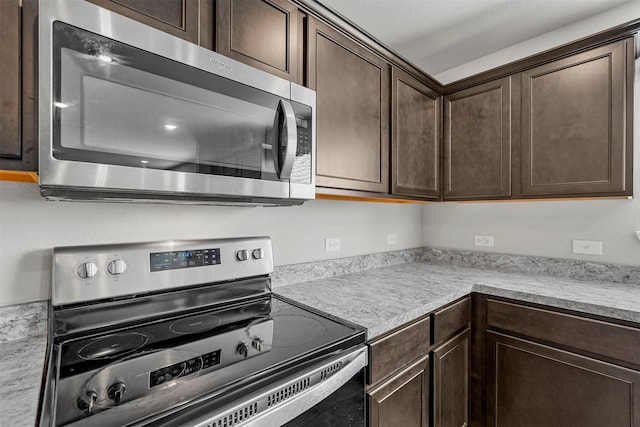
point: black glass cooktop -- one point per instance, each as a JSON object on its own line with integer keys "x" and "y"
{"x": 166, "y": 362}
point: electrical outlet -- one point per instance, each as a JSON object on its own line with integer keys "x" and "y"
{"x": 486, "y": 241}
{"x": 587, "y": 247}
{"x": 332, "y": 244}
{"x": 392, "y": 239}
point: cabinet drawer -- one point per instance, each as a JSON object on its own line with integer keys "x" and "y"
{"x": 403, "y": 400}
{"x": 451, "y": 319}
{"x": 398, "y": 349}
{"x": 595, "y": 336}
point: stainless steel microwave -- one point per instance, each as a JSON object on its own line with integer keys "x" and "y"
{"x": 129, "y": 112}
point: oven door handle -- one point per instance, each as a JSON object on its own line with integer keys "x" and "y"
{"x": 290, "y": 397}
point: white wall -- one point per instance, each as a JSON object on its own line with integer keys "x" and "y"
{"x": 545, "y": 228}
{"x": 31, "y": 226}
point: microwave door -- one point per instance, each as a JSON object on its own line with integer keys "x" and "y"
{"x": 286, "y": 141}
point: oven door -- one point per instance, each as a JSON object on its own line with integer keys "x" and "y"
{"x": 125, "y": 109}
{"x": 329, "y": 393}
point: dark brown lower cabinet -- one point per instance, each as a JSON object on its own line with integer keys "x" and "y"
{"x": 530, "y": 384}
{"x": 403, "y": 399}
{"x": 451, "y": 382}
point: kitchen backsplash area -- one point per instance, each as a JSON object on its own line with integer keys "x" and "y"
{"x": 24, "y": 320}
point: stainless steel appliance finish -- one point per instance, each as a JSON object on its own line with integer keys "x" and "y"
{"x": 188, "y": 333}
{"x": 127, "y": 112}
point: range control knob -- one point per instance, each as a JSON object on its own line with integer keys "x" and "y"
{"x": 116, "y": 267}
{"x": 117, "y": 391}
{"x": 242, "y": 349}
{"x": 257, "y": 343}
{"x": 257, "y": 253}
{"x": 242, "y": 255}
{"x": 86, "y": 402}
{"x": 87, "y": 270}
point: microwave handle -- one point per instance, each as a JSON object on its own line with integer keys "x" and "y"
{"x": 287, "y": 140}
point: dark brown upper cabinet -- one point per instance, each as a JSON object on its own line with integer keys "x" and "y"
{"x": 415, "y": 137}
{"x": 180, "y": 18}
{"x": 576, "y": 124}
{"x": 352, "y": 87}
{"x": 10, "y": 146}
{"x": 18, "y": 135}
{"x": 477, "y": 142}
{"x": 265, "y": 34}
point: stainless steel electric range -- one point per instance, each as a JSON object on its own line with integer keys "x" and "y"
{"x": 188, "y": 333}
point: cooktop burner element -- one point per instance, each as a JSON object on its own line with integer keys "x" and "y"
{"x": 179, "y": 337}
{"x": 195, "y": 324}
{"x": 299, "y": 329}
{"x": 112, "y": 346}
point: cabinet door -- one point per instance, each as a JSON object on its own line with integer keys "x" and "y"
{"x": 530, "y": 384}
{"x": 10, "y": 145}
{"x": 18, "y": 113}
{"x": 352, "y": 122}
{"x": 415, "y": 137}
{"x": 576, "y": 124}
{"x": 477, "y": 142}
{"x": 403, "y": 400}
{"x": 451, "y": 382}
{"x": 261, "y": 33}
{"x": 177, "y": 17}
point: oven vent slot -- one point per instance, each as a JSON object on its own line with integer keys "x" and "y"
{"x": 328, "y": 371}
{"x": 288, "y": 392}
{"x": 236, "y": 417}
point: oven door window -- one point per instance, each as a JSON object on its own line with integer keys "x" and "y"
{"x": 119, "y": 105}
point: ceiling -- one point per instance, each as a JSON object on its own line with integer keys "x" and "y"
{"x": 440, "y": 35}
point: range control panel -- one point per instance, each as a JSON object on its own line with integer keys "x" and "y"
{"x": 89, "y": 273}
{"x": 184, "y": 259}
{"x": 185, "y": 368}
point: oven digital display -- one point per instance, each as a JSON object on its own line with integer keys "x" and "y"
{"x": 160, "y": 261}
{"x": 182, "y": 369}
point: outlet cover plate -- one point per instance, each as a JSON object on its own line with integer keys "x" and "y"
{"x": 332, "y": 244}
{"x": 392, "y": 239}
{"x": 587, "y": 247}
{"x": 486, "y": 241}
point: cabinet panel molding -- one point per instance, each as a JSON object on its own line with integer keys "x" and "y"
{"x": 575, "y": 138}
{"x": 614, "y": 341}
{"x": 451, "y": 382}
{"x": 396, "y": 350}
{"x": 177, "y": 17}
{"x": 352, "y": 86}
{"x": 534, "y": 385}
{"x": 415, "y": 137}
{"x": 477, "y": 142}
{"x": 451, "y": 319}
{"x": 403, "y": 399}
{"x": 10, "y": 142}
{"x": 261, "y": 33}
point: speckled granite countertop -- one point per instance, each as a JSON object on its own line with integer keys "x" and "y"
{"x": 21, "y": 367}
{"x": 385, "y": 298}
{"x": 379, "y": 299}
